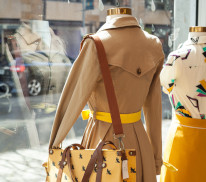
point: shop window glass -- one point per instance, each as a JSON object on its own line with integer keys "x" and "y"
{"x": 38, "y": 40}
{"x": 159, "y": 4}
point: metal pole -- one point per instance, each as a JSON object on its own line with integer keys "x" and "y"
{"x": 44, "y": 10}
{"x": 201, "y": 13}
{"x": 83, "y": 14}
{"x": 2, "y": 41}
{"x": 197, "y": 11}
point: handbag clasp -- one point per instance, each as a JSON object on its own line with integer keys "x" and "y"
{"x": 121, "y": 143}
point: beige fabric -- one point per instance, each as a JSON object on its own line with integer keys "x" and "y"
{"x": 49, "y": 62}
{"x": 135, "y": 59}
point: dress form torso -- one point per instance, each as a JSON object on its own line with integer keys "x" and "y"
{"x": 184, "y": 80}
{"x": 183, "y": 77}
{"x": 110, "y": 17}
{"x": 196, "y": 34}
{"x": 129, "y": 75}
{"x": 42, "y": 29}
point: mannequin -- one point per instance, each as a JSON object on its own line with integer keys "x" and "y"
{"x": 37, "y": 42}
{"x": 121, "y": 36}
{"x": 183, "y": 79}
{"x": 197, "y": 31}
{"x": 41, "y": 28}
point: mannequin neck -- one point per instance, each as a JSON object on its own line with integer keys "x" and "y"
{"x": 42, "y": 29}
{"x": 39, "y": 26}
{"x": 110, "y": 17}
{"x": 196, "y": 34}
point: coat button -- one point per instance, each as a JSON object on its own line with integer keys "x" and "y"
{"x": 52, "y": 87}
{"x": 139, "y": 71}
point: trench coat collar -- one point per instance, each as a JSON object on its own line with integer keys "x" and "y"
{"x": 25, "y": 31}
{"x": 195, "y": 40}
{"x": 31, "y": 38}
{"x": 120, "y": 22}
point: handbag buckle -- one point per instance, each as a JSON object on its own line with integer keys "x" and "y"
{"x": 121, "y": 143}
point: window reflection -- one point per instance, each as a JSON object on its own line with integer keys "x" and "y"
{"x": 47, "y": 48}
{"x": 34, "y": 68}
{"x": 159, "y": 4}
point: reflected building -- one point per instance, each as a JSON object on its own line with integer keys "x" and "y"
{"x": 68, "y": 23}
{"x": 65, "y": 17}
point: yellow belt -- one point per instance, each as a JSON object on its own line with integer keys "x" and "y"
{"x": 106, "y": 117}
{"x": 191, "y": 122}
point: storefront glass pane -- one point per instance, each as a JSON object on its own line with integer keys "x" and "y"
{"x": 39, "y": 42}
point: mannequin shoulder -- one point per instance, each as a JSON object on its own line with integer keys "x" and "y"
{"x": 152, "y": 39}
{"x": 152, "y": 45}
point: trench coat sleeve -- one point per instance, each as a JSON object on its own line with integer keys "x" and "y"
{"x": 77, "y": 90}
{"x": 168, "y": 75}
{"x": 153, "y": 116}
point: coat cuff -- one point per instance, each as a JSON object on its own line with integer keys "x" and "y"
{"x": 158, "y": 164}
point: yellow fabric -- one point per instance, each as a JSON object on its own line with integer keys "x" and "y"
{"x": 203, "y": 83}
{"x": 47, "y": 107}
{"x": 111, "y": 173}
{"x": 170, "y": 166}
{"x": 86, "y": 114}
{"x": 183, "y": 111}
{"x": 191, "y": 122}
{"x": 185, "y": 150}
{"x": 106, "y": 117}
{"x": 170, "y": 89}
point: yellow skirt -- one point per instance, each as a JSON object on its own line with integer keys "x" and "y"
{"x": 186, "y": 150}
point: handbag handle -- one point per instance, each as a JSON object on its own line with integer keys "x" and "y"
{"x": 109, "y": 87}
{"x": 66, "y": 154}
{"x": 97, "y": 158}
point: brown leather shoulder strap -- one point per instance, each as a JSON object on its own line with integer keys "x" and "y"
{"x": 111, "y": 97}
{"x": 84, "y": 38}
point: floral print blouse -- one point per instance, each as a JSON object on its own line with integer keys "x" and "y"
{"x": 184, "y": 78}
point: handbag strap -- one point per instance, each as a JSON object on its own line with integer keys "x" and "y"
{"x": 111, "y": 97}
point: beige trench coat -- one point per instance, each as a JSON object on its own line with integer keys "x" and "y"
{"x": 46, "y": 62}
{"x": 135, "y": 60}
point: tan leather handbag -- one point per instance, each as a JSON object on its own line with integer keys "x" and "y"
{"x": 76, "y": 164}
